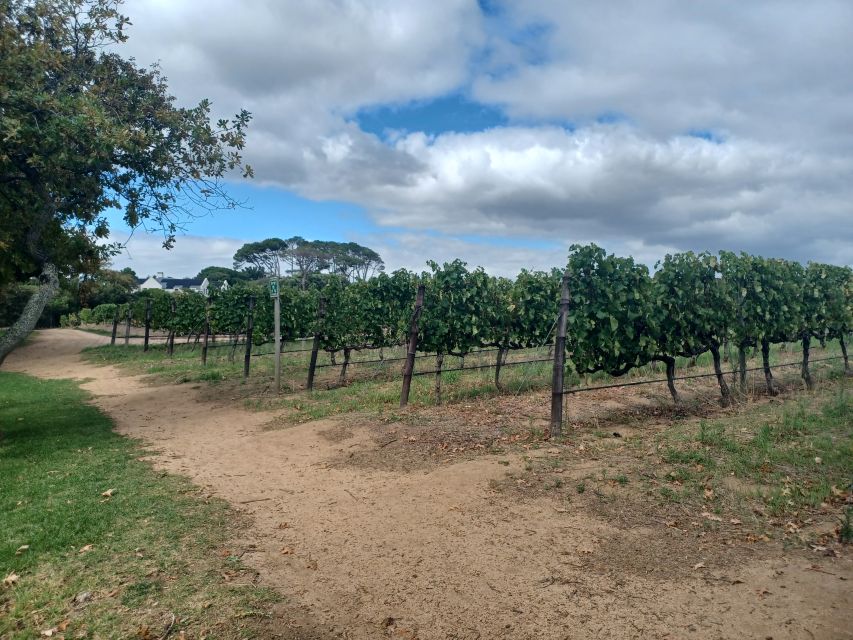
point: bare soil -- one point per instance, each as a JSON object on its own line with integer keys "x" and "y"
{"x": 406, "y": 529}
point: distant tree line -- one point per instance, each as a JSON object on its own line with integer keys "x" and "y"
{"x": 305, "y": 260}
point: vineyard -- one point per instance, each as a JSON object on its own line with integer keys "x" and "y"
{"x": 615, "y": 318}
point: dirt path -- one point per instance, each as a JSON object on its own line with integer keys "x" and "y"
{"x": 434, "y": 553}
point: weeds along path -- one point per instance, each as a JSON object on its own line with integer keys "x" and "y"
{"x": 434, "y": 553}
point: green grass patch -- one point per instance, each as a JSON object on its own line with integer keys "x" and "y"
{"x": 371, "y": 388}
{"x": 150, "y": 550}
{"x": 789, "y": 456}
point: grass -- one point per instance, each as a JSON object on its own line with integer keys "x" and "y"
{"x": 792, "y": 457}
{"x": 371, "y": 388}
{"x": 786, "y": 463}
{"x": 150, "y": 550}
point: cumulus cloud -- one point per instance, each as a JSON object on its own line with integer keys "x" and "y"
{"x": 610, "y": 105}
{"x": 144, "y": 253}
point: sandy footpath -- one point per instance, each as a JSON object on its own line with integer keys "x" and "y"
{"x": 435, "y": 553}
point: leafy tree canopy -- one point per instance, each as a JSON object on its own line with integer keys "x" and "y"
{"x": 217, "y": 275}
{"x": 83, "y": 131}
{"x": 265, "y": 255}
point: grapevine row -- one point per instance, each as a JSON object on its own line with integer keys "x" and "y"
{"x": 621, "y": 316}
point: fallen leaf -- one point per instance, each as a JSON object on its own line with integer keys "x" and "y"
{"x": 86, "y": 548}
{"x": 735, "y": 521}
{"x": 11, "y": 580}
{"x": 286, "y": 551}
{"x": 711, "y": 516}
{"x": 108, "y": 493}
{"x": 698, "y": 565}
{"x": 47, "y": 633}
{"x": 709, "y": 494}
{"x": 62, "y": 626}
{"x": 818, "y": 460}
{"x": 21, "y": 549}
{"x": 283, "y": 525}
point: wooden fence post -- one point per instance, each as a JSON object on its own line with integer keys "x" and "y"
{"x": 147, "y": 324}
{"x": 115, "y": 327}
{"x": 171, "y": 339}
{"x": 315, "y": 348}
{"x": 127, "y": 326}
{"x": 250, "y": 329}
{"x": 559, "y": 362}
{"x": 412, "y": 349}
{"x": 206, "y": 332}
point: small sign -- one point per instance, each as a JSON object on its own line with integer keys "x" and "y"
{"x": 273, "y": 288}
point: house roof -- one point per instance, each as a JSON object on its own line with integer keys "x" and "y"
{"x": 171, "y": 283}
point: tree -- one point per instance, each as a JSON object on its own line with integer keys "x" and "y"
{"x": 84, "y": 131}
{"x": 352, "y": 260}
{"x": 265, "y": 255}
{"x": 217, "y": 275}
{"x": 306, "y": 258}
{"x": 106, "y": 286}
{"x": 348, "y": 259}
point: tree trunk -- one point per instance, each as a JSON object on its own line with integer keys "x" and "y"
{"x": 343, "y": 378}
{"x": 805, "y": 371}
{"x": 439, "y": 361}
{"x": 32, "y": 311}
{"x": 768, "y": 375}
{"x": 333, "y": 358}
{"x": 843, "y": 352}
{"x": 670, "y": 378}
{"x": 741, "y": 363}
{"x": 726, "y": 398}
{"x": 502, "y": 353}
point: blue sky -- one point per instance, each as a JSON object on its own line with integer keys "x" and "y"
{"x": 502, "y": 132}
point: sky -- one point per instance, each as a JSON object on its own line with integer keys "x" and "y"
{"x": 504, "y": 132}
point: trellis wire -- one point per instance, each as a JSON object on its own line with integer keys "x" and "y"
{"x": 482, "y": 366}
{"x": 689, "y": 377}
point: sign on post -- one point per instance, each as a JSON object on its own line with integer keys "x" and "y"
{"x": 273, "y": 288}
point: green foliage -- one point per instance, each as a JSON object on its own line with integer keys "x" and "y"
{"x": 217, "y": 275}
{"x": 103, "y": 313}
{"x": 828, "y": 301}
{"x": 459, "y": 309}
{"x": 264, "y": 255}
{"x": 86, "y": 130}
{"x": 612, "y": 316}
{"x": 619, "y": 318}
{"x": 690, "y": 304}
{"x": 69, "y": 320}
{"x": 370, "y": 313}
{"x": 525, "y": 309}
{"x": 107, "y": 286}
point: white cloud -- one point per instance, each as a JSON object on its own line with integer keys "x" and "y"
{"x": 771, "y": 78}
{"x": 144, "y": 253}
